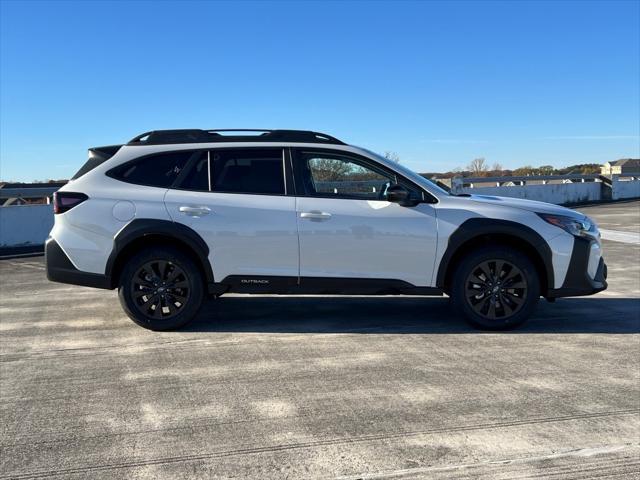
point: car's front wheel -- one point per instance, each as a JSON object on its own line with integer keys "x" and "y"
{"x": 161, "y": 288}
{"x": 495, "y": 288}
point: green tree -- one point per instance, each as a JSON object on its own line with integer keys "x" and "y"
{"x": 524, "y": 171}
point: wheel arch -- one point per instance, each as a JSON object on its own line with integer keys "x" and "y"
{"x": 145, "y": 233}
{"x": 477, "y": 232}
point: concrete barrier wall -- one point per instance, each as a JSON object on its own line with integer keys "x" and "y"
{"x": 622, "y": 189}
{"x": 24, "y": 225}
{"x": 561, "y": 190}
{"x": 557, "y": 193}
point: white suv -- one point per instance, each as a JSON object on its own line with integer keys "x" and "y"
{"x": 174, "y": 215}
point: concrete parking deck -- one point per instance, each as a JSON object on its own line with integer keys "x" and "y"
{"x": 281, "y": 387}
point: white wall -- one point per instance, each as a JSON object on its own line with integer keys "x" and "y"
{"x": 559, "y": 193}
{"x": 25, "y": 224}
{"x": 625, "y": 189}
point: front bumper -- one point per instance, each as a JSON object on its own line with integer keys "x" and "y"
{"x": 578, "y": 282}
{"x": 60, "y": 269}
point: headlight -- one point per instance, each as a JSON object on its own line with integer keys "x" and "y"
{"x": 579, "y": 228}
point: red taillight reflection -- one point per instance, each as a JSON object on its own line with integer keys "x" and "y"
{"x": 64, "y": 201}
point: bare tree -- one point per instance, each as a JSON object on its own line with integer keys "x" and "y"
{"x": 393, "y": 156}
{"x": 329, "y": 169}
{"x": 478, "y": 166}
{"x": 497, "y": 167}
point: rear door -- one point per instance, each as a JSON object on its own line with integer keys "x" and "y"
{"x": 347, "y": 227}
{"x": 240, "y": 203}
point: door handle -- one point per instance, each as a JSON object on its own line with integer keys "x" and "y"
{"x": 315, "y": 215}
{"x": 194, "y": 211}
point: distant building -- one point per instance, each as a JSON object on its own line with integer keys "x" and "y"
{"x": 625, "y": 166}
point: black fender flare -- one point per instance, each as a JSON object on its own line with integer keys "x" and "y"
{"x": 142, "y": 227}
{"x": 475, "y": 228}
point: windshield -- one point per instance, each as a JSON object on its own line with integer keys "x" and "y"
{"x": 407, "y": 172}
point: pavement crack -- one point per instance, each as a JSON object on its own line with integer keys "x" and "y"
{"x": 310, "y": 444}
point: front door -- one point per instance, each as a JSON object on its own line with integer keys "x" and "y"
{"x": 347, "y": 227}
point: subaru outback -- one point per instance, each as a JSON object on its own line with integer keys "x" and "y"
{"x": 175, "y": 216}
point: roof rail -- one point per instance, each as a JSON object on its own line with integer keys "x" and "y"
{"x": 160, "y": 137}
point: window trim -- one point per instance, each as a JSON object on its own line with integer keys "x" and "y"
{"x": 358, "y": 159}
{"x": 208, "y": 169}
{"x": 292, "y": 189}
{"x": 284, "y": 170}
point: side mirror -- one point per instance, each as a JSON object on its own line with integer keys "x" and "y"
{"x": 400, "y": 195}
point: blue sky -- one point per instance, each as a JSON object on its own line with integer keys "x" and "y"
{"x": 439, "y": 83}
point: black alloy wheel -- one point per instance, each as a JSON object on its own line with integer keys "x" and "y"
{"x": 161, "y": 288}
{"x": 495, "y": 287}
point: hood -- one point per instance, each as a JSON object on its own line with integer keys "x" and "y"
{"x": 529, "y": 205}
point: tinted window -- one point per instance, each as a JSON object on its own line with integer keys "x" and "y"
{"x": 328, "y": 175}
{"x": 247, "y": 171}
{"x": 155, "y": 170}
{"x": 97, "y": 156}
{"x": 198, "y": 176}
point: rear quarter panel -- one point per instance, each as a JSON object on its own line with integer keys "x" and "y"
{"x": 86, "y": 233}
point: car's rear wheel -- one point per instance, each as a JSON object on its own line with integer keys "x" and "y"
{"x": 495, "y": 288}
{"x": 161, "y": 288}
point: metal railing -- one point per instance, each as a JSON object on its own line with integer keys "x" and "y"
{"x": 527, "y": 179}
{"x": 33, "y": 192}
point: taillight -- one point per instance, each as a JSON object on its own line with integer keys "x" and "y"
{"x": 63, "y": 201}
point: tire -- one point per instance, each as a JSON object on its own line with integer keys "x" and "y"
{"x": 485, "y": 299}
{"x": 153, "y": 304}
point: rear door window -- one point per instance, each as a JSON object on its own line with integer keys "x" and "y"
{"x": 252, "y": 170}
{"x": 197, "y": 178}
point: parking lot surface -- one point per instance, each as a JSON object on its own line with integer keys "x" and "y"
{"x": 311, "y": 387}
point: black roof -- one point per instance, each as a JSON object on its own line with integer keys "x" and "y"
{"x": 161, "y": 137}
{"x": 629, "y": 162}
